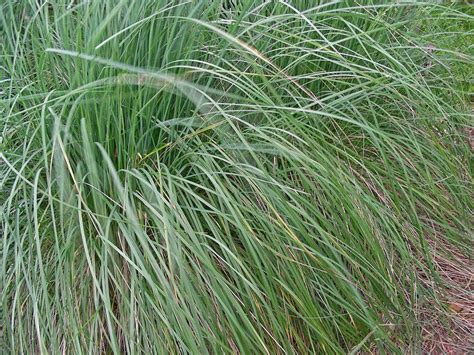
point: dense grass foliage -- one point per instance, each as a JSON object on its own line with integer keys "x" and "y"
{"x": 201, "y": 177}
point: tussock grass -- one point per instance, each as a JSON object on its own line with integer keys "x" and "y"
{"x": 188, "y": 177}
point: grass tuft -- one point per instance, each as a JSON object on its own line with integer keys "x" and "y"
{"x": 201, "y": 177}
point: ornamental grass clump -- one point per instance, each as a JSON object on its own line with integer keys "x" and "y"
{"x": 258, "y": 177}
